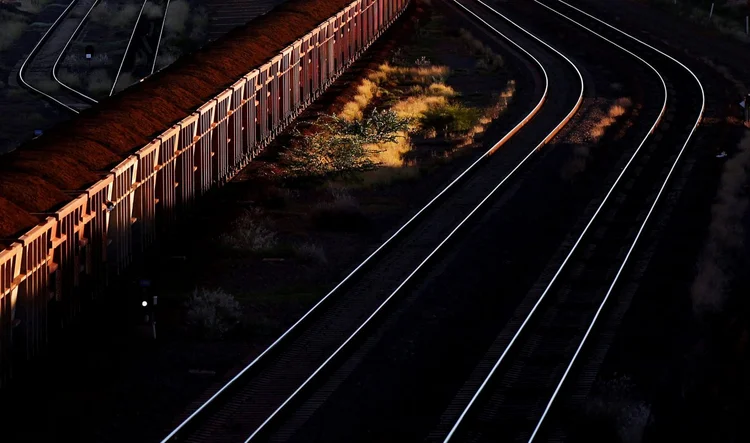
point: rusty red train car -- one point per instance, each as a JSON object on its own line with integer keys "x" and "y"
{"x": 74, "y": 252}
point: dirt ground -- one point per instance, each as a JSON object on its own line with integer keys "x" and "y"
{"x": 121, "y": 385}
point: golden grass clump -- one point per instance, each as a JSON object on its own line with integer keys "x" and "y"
{"x": 353, "y": 110}
{"x": 392, "y": 166}
{"x": 414, "y": 107}
{"x": 391, "y": 153}
{"x": 410, "y": 75}
{"x": 618, "y": 109}
{"x": 441, "y": 89}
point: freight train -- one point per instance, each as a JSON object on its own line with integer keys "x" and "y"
{"x": 91, "y": 235}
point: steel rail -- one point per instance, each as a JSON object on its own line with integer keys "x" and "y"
{"x": 358, "y": 269}
{"x": 632, "y": 246}
{"x": 127, "y": 48}
{"x": 161, "y": 32}
{"x": 640, "y": 229}
{"x": 33, "y": 52}
{"x": 523, "y": 325}
{"x": 449, "y": 236}
{"x": 65, "y": 48}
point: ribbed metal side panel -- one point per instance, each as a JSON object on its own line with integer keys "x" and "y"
{"x": 166, "y": 179}
{"x": 144, "y": 209}
{"x": 72, "y": 254}
{"x": 186, "y": 162}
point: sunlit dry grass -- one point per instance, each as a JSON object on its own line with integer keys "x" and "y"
{"x": 353, "y": 110}
{"x": 391, "y": 163}
{"x": 391, "y": 153}
{"x": 409, "y": 75}
{"x": 490, "y": 114}
{"x": 618, "y": 109}
{"x": 414, "y": 107}
{"x": 441, "y": 89}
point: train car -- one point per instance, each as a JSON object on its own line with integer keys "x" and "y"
{"x": 75, "y": 251}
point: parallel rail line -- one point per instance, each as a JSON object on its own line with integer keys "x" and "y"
{"x": 127, "y": 54}
{"x": 235, "y": 392}
{"x": 508, "y": 407}
{"x": 35, "y": 50}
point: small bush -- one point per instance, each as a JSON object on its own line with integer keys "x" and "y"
{"x": 212, "y": 313}
{"x": 249, "y": 235}
{"x": 391, "y": 153}
{"x": 620, "y": 107}
{"x": 413, "y": 108}
{"x": 342, "y": 213}
{"x": 441, "y": 90}
{"x": 422, "y": 61}
{"x": 617, "y": 110}
{"x": 339, "y": 147}
{"x": 311, "y": 252}
{"x": 450, "y": 119}
{"x": 353, "y": 110}
{"x": 419, "y": 75}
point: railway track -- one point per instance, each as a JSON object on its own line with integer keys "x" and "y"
{"x": 139, "y": 56}
{"x": 38, "y": 67}
{"x": 226, "y": 15}
{"x": 247, "y": 407}
{"x": 142, "y": 50}
{"x": 528, "y": 367}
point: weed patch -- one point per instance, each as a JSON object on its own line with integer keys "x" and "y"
{"x": 341, "y": 213}
{"x": 212, "y": 313}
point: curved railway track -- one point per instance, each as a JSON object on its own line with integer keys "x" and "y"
{"x": 245, "y": 408}
{"x": 44, "y": 54}
{"x": 535, "y": 357}
{"x": 145, "y": 39}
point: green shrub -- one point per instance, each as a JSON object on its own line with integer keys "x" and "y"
{"x": 450, "y": 119}
{"x": 338, "y": 147}
{"x": 249, "y": 235}
{"x": 212, "y": 313}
